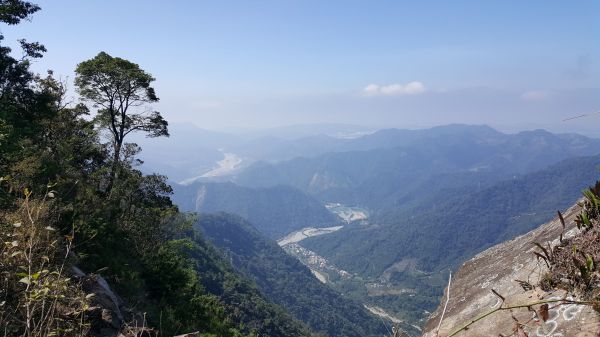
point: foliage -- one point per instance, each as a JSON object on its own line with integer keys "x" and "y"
{"x": 37, "y": 295}
{"x": 75, "y": 211}
{"x": 243, "y": 300}
{"x": 572, "y": 263}
{"x": 285, "y": 281}
{"x": 590, "y": 208}
{"x": 119, "y": 87}
{"x": 13, "y": 11}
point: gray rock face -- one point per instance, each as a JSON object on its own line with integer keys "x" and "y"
{"x": 509, "y": 268}
{"x": 106, "y": 313}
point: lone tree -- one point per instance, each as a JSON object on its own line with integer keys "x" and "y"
{"x": 122, "y": 92}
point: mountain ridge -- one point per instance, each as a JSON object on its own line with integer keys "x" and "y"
{"x": 285, "y": 280}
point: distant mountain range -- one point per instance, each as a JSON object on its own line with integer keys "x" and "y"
{"x": 434, "y": 197}
{"x": 190, "y": 151}
{"x": 394, "y": 164}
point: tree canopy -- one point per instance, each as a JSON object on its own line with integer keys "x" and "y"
{"x": 55, "y": 211}
{"x": 13, "y": 11}
{"x": 122, "y": 92}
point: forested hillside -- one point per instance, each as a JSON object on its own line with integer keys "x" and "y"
{"x": 414, "y": 248}
{"x": 71, "y": 195}
{"x": 275, "y": 211}
{"x": 285, "y": 281}
{"x": 484, "y": 217}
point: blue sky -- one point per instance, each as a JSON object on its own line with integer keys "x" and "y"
{"x": 248, "y": 64}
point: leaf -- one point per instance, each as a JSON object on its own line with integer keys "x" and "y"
{"x": 540, "y": 256}
{"x": 589, "y": 262}
{"x": 17, "y": 225}
{"x": 90, "y": 295}
{"x": 543, "y": 250}
{"x": 589, "y": 195}
{"x": 562, "y": 220}
{"x": 525, "y": 285}
{"x": 544, "y": 312}
{"x": 586, "y": 219}
{"x": 25, "y": 280}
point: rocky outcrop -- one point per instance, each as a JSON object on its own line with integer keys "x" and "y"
{"x": 513, "y": 271}
{"x": 106, "y": 313}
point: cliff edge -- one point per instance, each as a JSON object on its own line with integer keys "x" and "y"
{"x": 514, "y": 272}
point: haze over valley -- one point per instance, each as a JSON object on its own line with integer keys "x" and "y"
{"x": 299, "y": 168}
{"x": 382, "y": 217}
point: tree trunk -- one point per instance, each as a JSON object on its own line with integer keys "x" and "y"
{"x": 113, "y": 168}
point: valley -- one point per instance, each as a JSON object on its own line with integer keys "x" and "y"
{"x": 299, "y": 168}
{"x": 363, "y": 289}
{"x": 377, "y": 219}
{"x": 348, "y": 214}
{"x": 306, "y": 233}
{"x": 226, "y": 166}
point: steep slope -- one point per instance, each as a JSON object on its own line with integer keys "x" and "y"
{"x": 285, "y": 281}
{"x": 499, "y": 268}
{"x": 410, "y": 251}
{"x": 452, "y": 226}
{"x": 243, "y": 303}
{"x": 276, "y": 211}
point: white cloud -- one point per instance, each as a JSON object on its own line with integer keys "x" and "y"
{"x": 534, "y": 95}
{"x": 412, "y": 88}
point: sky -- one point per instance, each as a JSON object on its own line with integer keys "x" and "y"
{"x": 238, "y": 65}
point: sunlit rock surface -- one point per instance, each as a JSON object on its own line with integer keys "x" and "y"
{"x": 499, "y": 268}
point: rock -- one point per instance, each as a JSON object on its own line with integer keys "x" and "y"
{"x": 513, "y": 271}
{"x": 106, "y": 312}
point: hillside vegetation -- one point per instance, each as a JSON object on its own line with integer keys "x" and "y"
{"x": 285, "y": 281}
{"x": 71, "y": 195}
{"x": 447, "y": 228}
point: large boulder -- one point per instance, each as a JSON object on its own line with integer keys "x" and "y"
{"x": 513, "y": 271}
